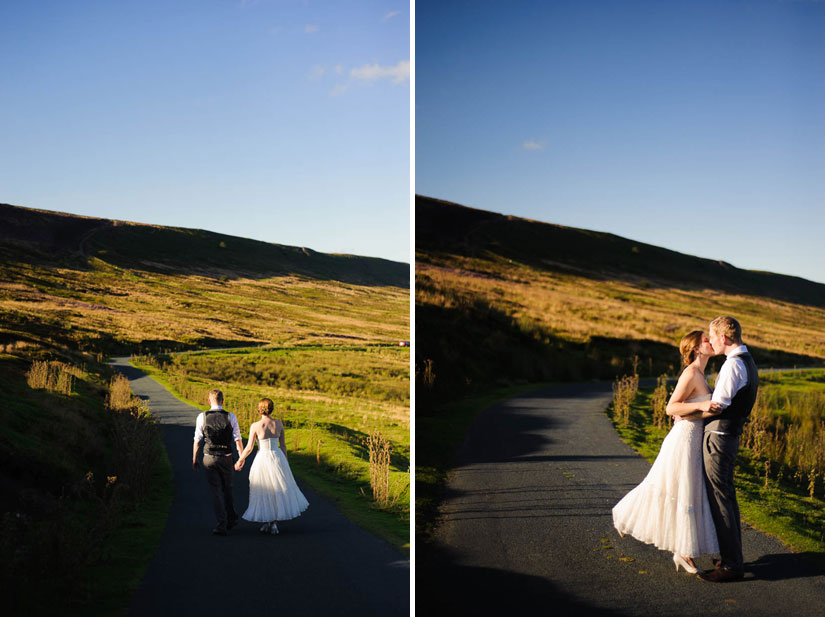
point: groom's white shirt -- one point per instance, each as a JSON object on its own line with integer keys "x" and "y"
{"x": 733, "y": 376}
{"x": 236, "y": 430}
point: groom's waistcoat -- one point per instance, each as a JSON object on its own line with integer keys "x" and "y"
{"x": 731, "y": 420}
{"x": 217, "y": 433}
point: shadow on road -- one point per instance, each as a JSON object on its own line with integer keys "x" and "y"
{"x": 444, "y": 588}
{"x": 489, "y": 447}
{"x": 783, "y": 566}
{"x": 131, "y": 372}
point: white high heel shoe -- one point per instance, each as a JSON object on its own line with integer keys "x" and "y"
{"x": 681, "y": 561}
{"x": 273, "y": 529}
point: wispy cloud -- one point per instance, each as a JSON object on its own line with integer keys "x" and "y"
{"x": 390, "y": 15}
{"x": 339, "y": 89}
{"x": 372, "y": 72}
{"x": 311, "y": 28}
{"x": 532, "y": 144}
{"x": 317, "y": 72}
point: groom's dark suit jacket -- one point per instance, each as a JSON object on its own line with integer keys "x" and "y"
{"x": 733, "y": 418}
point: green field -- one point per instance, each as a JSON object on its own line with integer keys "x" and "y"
{"x": 330, "y": 399}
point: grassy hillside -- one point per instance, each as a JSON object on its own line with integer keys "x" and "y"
{"x": 110, "y": 286}
{"x": 502, "y": 302}
{"x": 75, "y": 289}
{"x": 500, "y": 299}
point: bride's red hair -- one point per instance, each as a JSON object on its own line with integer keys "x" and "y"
{"x": 688, "y": 345}
{"x": 265, "y": 407}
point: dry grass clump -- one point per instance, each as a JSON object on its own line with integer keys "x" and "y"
{"x": 52, "y": 376}
{"x": 379, "y": 451}
{"x": 624, "y": 393}
{"x": 786, "y": 434}
{"x": 385, "y": 494}
{"x": 120, "y": 394}
{"x": 658, "y": 402}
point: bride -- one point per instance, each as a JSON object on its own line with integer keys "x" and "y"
{"x": 670, "y": 509}
{"x": 273, "y": 493}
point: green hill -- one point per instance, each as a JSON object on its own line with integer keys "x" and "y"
{"x": 443, "y": 228}
{"x": 502, "y": 300}
{"x": 113, "y": 286}
{"x": 40, "y": 236}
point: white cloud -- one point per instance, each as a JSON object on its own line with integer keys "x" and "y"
{"x": 372, "y": 72}
{"x": 311, "y": 28}
{"x": 390, "y": 15}
{"x": 339, "y": 69}
{"x": 532, "y": 144}
{"x": 317, "y": 72}
{"x": 339, "y": 89}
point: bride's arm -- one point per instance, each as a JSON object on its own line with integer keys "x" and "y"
{"x": 253, "y": 433}
{"x": 282, "y": 440}
{"x": 677, "y": 406}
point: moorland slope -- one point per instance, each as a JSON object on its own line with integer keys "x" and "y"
{"x": 502, "y": 299}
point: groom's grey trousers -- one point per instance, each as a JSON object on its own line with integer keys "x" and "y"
{"x": 719, "y": 454}
{"x": 219, "y": 471}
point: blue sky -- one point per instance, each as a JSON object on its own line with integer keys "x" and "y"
{"x": 697, "y": 126}
{"x": 284, "y": 121}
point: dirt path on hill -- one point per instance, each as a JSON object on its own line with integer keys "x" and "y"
{"x": 527, "y": 522}
{"x": 320, "y": 564}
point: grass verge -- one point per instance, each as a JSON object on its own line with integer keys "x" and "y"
{"x": 131, "y": 548}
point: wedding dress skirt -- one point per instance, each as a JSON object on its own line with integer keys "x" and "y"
{"x": 273, "y": 493}
{"x": 669, "y": 509}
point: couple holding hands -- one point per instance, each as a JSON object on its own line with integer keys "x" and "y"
{"x": 273, "y": 494}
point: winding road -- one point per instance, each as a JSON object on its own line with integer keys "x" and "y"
{"x": 526, "y": 522}
{"x": 320, "y": 564}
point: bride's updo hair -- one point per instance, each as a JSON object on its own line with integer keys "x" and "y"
{"x": 265, "y": 407}
{"x": 687, "y": 347}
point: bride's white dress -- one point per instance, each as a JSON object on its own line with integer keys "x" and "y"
{"x": 669, "y": 509}
{"x": 273, "y": 493}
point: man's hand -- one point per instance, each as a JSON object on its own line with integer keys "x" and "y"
{"x": 195, "y": 465}
{"x": 239, "y": 465}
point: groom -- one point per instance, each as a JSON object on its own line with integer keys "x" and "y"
{"x": 735, "y": 393}
{"x": 216, "y": 429}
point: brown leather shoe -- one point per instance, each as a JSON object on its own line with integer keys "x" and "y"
{"x": 721, "y": 575}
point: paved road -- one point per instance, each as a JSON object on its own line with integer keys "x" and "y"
{"x": 320, "y": 564}
{"x": 527, "y": 522}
